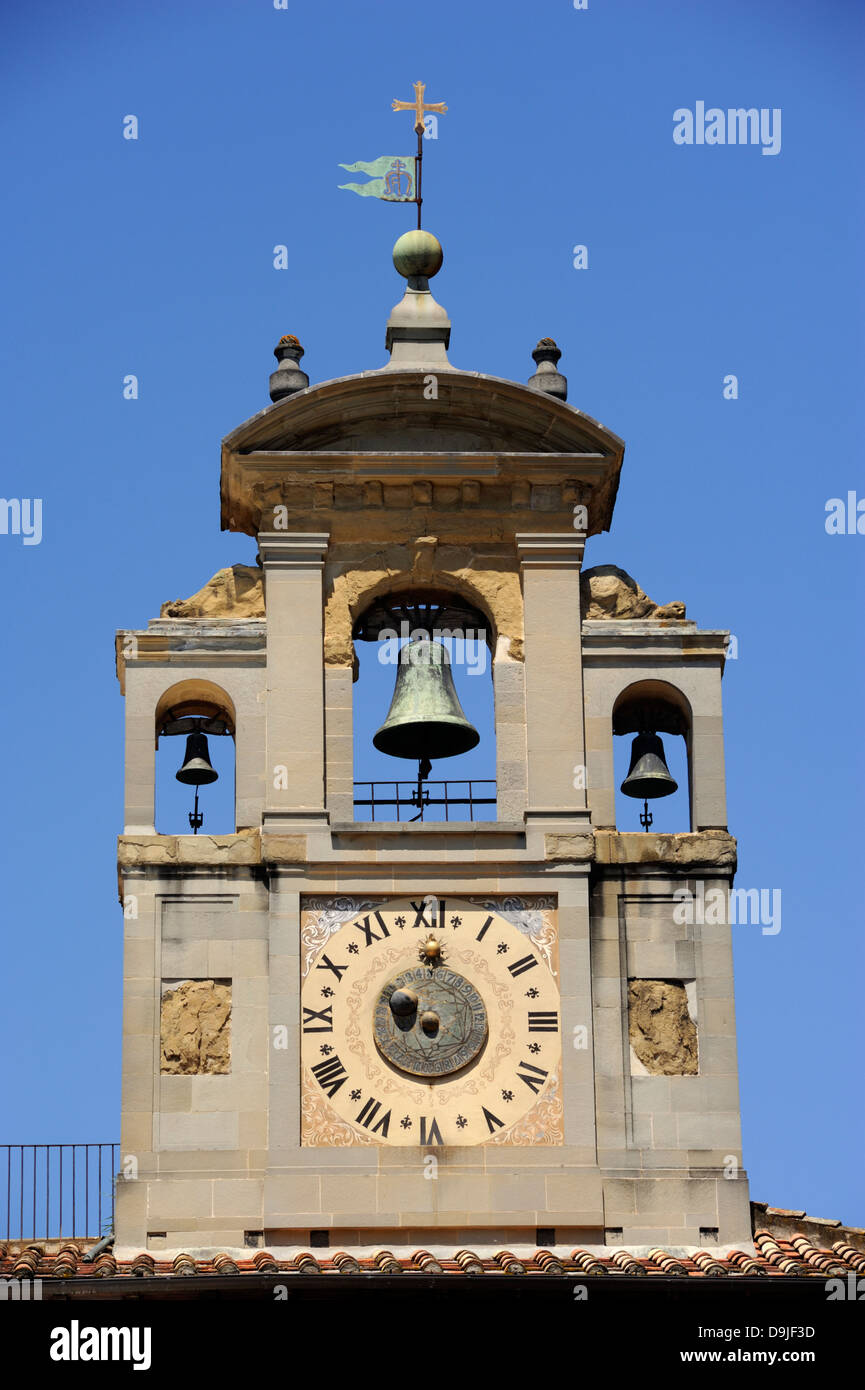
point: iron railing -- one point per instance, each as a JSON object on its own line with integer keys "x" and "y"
{"x": 456, "y": 793}
{"x": 55, "y": 1190}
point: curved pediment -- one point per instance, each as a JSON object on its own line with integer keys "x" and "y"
{"x": 391, "y": 411}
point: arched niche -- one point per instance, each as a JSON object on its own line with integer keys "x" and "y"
{"x": 205, "y": 701}
{"x": 659, "y": 707}
{"x": 384, "y": 618}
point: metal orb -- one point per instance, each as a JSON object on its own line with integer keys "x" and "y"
{"x": 403, "y": 1002}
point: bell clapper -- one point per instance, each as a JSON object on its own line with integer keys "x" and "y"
{"x": 196, "y": 817}
{"x": 646, "y": 817}
{"x": 420, "y": 797}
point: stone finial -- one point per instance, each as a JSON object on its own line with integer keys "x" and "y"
{"x": 418, "y": 330}
{"x": 548, "y": 378}
{"x": 288, "y": 376}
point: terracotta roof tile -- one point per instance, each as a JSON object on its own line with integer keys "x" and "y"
{"x": 426, "y": 1262}
{"x": 775, "y": 1256}
{"x": 586, "y": 1263}
{"x": 306, "y": 1264}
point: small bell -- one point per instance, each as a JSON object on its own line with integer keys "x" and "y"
{"x": 196, "y": 770}
{"x": 648, "y": 776}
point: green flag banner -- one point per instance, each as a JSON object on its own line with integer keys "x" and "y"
{"x": 394, "y": 178}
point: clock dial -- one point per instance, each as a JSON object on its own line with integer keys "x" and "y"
{"x": 427, "y": 1021}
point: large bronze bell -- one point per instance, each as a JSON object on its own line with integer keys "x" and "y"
{"x": 425, "y": 719}
{"x": 196, "y": 770}
{"x": 648, "y": 776}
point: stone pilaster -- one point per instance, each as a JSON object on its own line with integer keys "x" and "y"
{"x": 294, "y": 570}
{"x": 555, "y": 737}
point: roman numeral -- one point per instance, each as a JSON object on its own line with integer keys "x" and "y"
{"x": 330, "y": 1075}
{"x": 535, "y": 1081}
{"x": 420, "y": 919}
{"x": 543, "y": 1021}
{"x": 327, "y": 964}
{"x": 434, "y": 1135}
{"x": 493, "y": 1121}
{"x": 325, "y": 1020}
{"x": 520, "y": 967}
{"x": 367, "y": 930}
{"x": 484, "y": 929}
{"x": 368, "y": 1114}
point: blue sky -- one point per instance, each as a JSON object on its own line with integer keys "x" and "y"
{"x": 155, "y": 257}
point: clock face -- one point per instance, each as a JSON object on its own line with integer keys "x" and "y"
{"x": 428, "y": 1021}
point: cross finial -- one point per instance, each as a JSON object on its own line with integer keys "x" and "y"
{"x": 419, "y": 106}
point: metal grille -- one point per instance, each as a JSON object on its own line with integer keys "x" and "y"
{"x": 448, "y": 795}
{"x": 55, "y": 1190}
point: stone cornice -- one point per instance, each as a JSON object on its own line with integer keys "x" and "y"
{"x": 353, "y": 846}
{"x": 293, "y": 549}
{"x": 191, "y": 642}
{"x": 330, "y": 448}
{"x": 550, "y": 549}
{"x": 666, "y": 639}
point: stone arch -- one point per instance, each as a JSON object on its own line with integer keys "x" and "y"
{"x": 195, "y": 697}
{"x": 490, "y": 583}
{"x": 652, "y": 704}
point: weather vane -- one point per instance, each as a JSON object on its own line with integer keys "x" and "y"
{"x": 397, "y": 178}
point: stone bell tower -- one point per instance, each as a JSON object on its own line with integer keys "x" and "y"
{"x": 354, "y": 1032}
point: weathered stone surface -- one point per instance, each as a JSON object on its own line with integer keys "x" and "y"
{"x": 237, "y": 592}
{"x": 609, "y": 592}
{"x": 569, "y": 846}
{"x": 195, "y": 1029}
{"x": 704, "y": 848}
{"x": 489, "y": 582}
{"x": 662, "y": 1032}
{"x": 242, "y": 848}
{"x": 283, "y": 849}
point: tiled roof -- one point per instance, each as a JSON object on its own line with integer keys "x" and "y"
{"x": 776, "y": 1258}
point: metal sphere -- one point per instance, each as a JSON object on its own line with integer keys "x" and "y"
{"x": 418, "y": 253}
{"x": 403, "y": 1002}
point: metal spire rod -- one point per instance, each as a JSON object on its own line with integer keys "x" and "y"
{"x": 419, "y": 107}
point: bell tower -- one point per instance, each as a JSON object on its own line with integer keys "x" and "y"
{"x": 408, "y": 1030}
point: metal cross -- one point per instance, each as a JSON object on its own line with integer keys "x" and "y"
{"x": 418, "y": 106}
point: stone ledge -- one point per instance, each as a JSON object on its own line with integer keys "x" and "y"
{"x": 242, "y": 848}
{"x": 569, "y": 847}
{"x": 702, "y": 848}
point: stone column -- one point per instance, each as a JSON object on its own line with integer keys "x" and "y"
{"x": 555, "y": 737}
{"x": 293, "y": 575}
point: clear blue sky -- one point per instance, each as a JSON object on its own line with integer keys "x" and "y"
{"x": 155, "y": 257}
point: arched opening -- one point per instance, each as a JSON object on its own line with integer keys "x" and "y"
{"x": 198, "y": 708}
{"x": 398, "y": 641}
{"x": 647, "y": 708}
